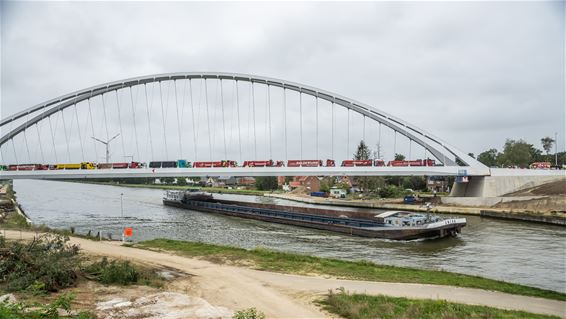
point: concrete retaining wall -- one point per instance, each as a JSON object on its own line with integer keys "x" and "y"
{"x": 501, "y": 184}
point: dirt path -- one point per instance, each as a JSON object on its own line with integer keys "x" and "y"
{"x": 290, "y": 296}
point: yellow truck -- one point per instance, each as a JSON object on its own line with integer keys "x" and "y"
{"x": 83, "y": 165}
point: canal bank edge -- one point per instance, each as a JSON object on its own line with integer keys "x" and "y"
{"x": 555, "y": 218}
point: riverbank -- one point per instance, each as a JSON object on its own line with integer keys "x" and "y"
{"x": 550, "y": 217}
{"x": 223, "y": 284}
{"x": 217, "y": 190}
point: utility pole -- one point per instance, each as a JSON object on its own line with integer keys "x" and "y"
{"x": 107, "y": 145}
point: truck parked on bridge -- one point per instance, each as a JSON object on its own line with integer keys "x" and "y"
{"x": 310, "y": 163}
{"x": 269, "y": 163}
{"x": 419, "y": 162}
{"x": 224, "y": 163}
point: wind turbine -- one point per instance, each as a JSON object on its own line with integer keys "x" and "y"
{"x": 107, "y": 144}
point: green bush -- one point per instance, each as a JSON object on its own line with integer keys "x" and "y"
{"x": 389, "y": 191}
{"x": 41, "y": 311}
{"x": 121, "y": 272}
{"x": 113, "y": 272}
{"x": 47, "y": 263}
{"x": 250, "y": 313}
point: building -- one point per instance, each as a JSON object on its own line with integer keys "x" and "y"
{"x": 246, "y": 181}
{"x": 437, "y": 183}
{"x": 338, "y": 192}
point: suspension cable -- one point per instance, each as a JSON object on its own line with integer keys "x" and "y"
{"x": 348, "y": 136}
{"x": 148, "y": 120}
{"x": 208, "y": 119}
{"x": 14, "y": 148}
{"x": 163, "y": 119}
{"x": 316, "y": 100}
{"x": 26, "y": 138}
{"x": 301, "y": 123}
{"x": 79, "y": 130}
{"x": 394, "y": 144}
{"x": 39, "y": 142}
{"x": 238, "y": 113}
{"x": 364, "y": 129}
{"x": 223, "y": 117}
{"x": 379, "y": 155}
{"x": 52, "y": 139}
{"x": 178, "y": 120}
{"x": 193, "y": 118}
{"x": 66, "y": 138}
{"x": 285, "y": 121}
{"x": 105, "y": 120}
{"x": 92, "y": 128}
{"x": 332, "y": 133}
{"x": 120, "y": 122}
{"x": 269, "y": 120}
{"x": 409, "y": 149}
{"x": 134, "y": 118}
{"x": 27, "y": 147}
{"x": 253, "y": 117}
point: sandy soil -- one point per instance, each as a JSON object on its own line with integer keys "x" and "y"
{"x": 291, "y": 296}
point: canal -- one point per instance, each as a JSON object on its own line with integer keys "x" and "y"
{"x": 519, "y": 252}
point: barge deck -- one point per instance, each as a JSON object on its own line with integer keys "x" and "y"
{"x": 324, "y": 219}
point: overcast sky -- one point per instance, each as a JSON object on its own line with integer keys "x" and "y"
{"x": 473, "y": 74}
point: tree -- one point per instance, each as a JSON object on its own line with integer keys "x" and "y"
{"x": 366, "y": 183}
{"x": 547, "y": 143}
{"x": 182, "y": 181}
{"x": 363, "y": 152}
{"x": 264, "y": 183}
{"x": 489, "y": 158}
{"x": 399, "y": 157}
{"x": 517, "y": 153}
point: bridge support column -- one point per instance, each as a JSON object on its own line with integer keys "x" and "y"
{"x": 495, "y": 186}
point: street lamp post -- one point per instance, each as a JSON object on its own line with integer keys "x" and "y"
{"x": 122, "y": 205}
{"x": 107, "y": 145}
{"x": 556, "y": 149}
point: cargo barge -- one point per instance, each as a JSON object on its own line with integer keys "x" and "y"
{"x": 396, "y": 225}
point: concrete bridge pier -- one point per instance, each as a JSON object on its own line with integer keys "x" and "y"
{"x": 504, "y": 181}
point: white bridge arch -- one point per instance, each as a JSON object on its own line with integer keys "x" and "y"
{"x": 453, "y": 160}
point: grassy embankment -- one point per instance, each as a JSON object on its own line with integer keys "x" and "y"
{"x": 359, "y": 306}
{"x": 48, "y": 266}
{"x": 264, "y": 259}
{"x": 219, "y": 190}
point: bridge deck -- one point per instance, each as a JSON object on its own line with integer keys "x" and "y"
{"x": 241, "y": 171}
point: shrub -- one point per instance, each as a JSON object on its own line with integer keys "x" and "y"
{"x": 389, "y": 191}
{"x": 41, "y": 311}
{"x": 121, "y": 272}
{"x": 250, "y": 313}
{"x": 113, "y": 272}
{"x": 48, "y": 263}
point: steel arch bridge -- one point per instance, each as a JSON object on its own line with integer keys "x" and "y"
{"x": 40, "y": 134}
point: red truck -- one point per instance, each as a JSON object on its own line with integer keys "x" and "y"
{"x": 419, "y": 162}
{"x": 215, "y": 164}
{"x": 355, "y": 163}
{"x": 269, "y": 163}
{"x": 27, "y": 167}
{"x": 310, "y": 163}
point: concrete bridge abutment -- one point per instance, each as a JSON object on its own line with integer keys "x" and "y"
{"x": 504, "y": 181}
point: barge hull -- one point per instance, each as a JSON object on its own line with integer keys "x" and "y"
{"x": 242, "y": 210}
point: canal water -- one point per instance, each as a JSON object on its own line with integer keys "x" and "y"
{"x": 519, "y": 252}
